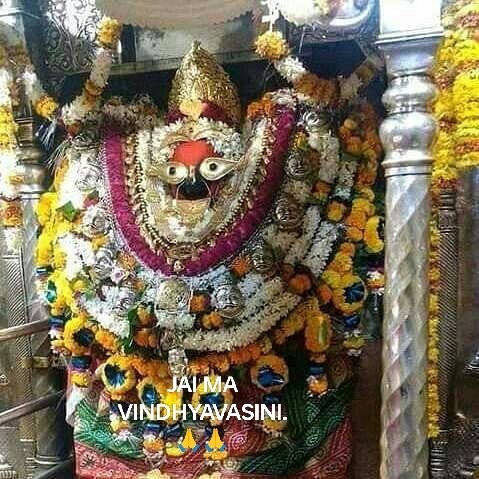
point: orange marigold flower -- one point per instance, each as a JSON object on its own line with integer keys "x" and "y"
{"x": 336, "y": 211}
{"x": 254, "y": 351}
{"x": 287, "y": 272}
{"x": 357, "y": 218}
{"x": 354, "y": 145}
{"x": 106, "y": 340}
{"x": 342, "y": 263}
{"x": 300, "y": 284}
{"x": 322, "y": 187}
{"x": 212, "y": 320}
{"x": 324, "y": 293}
{"x": 199, "y": 303}
{"x": 348, "y": 248}
{"x": 279, "y": 336}
{"x": 354, "y": 234}
{"x": 146, "y": 337}
{"x": 241, "y": 266}
{"x": 145, "y": 316}
{"x": 320, "y": 90}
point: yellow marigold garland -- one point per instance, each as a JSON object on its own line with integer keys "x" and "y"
{"x": 457, "y": 111}
{"x": 272, "y": 46}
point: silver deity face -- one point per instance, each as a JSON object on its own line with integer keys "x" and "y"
{"x": 228, "y": 300}
{"x": 288, "y": 213}
{"x": 95, "y": 222}
{"x": 262, "y": 258}
{"x": 103, "y": 264}
{"x": 297, "y": 167}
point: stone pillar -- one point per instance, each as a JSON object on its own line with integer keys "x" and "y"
{"x": 410, "y": 31}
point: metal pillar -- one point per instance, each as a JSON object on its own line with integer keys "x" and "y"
{"x": 43, "y": 435}
{"x": 448, "y": 293}
{"x": 410, "y": 31}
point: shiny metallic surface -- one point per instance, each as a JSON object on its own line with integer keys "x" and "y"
{"x": 407, "y": 135}
{"x": 448, "y": 293}
{"x": 288, "y": 213}
{"x": 228, "y": 300}
{"x": 21, "y": 330}
{"x": 173, "y": 295}
{"x": 66, "y": 466}
{"x": 462, "y": 448}
{"x": 30, "y": 407}
{"x": 262, "y": 258}
{"x": 412, "y": 16}
{"x": 11, "y": 460}
{"x": 21, "y": 347}
{"x": 348, "y": 19}
{"x": 438, "y": 456}
{"x": 468, "y": 328}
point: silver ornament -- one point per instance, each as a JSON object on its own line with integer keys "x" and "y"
{"x": 88, "y": 177}
{"x": 103, "y": 266}
{"x": 173, "y": 295}
{"x": 228, "y": 300}
{"x": 262, "y": 258}
{"x": 95, "y": 222}
{"x": 288, "y": 213}
{"x": 297, "y": 167}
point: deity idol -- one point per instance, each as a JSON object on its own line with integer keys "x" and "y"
{"x": 200, "y": 246}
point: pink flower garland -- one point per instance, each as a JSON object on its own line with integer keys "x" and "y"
{"x": 228, "y": 244}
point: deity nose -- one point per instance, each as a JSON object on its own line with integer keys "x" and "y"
{"x": 193, "y": 189}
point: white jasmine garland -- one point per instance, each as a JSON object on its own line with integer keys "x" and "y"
{"x": 176, "y": 320}
{"x": 80, "y": 107}
{"x": 102, "y": 311}
{"x": 248, "y": 330}
{"x": 322, "y": 245}
{"x": 278, "y": 239}
{"x": 8, "y": 160}
{"x": 68, "y": 191}
{"x": 5, "y": 81}
{"x": 101, "y": 68}
{"x": 328, "y": 146}
{"x": 311, "y": 222}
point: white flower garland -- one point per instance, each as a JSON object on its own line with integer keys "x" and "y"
{"x": 275, "y": 304}
{"x": 78, "y": 110}
{"x": 322, "y": 245}
{"x": 347, "y": 173}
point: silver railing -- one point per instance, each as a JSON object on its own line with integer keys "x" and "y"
{"x": 30, "y": 407}
{"x": 14, "y": 332}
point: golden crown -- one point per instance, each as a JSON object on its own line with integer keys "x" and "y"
{"x": 201, "y": 78}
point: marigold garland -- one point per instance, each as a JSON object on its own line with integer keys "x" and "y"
{"x": 272, "y": 46}
{"x": 107, "y": 37}
{"x": 457, "y": 110}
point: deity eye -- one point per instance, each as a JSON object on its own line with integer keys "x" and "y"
{"x": 213, "y": 168}
{"x": 171, "y": 172}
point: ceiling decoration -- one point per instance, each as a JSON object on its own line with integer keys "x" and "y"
{"x": 180, "y": 13}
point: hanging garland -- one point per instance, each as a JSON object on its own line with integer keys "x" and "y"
{"x": 457, "y": 111}
{"x": 107, "y": 38}
{"x": 16, "y": 70}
